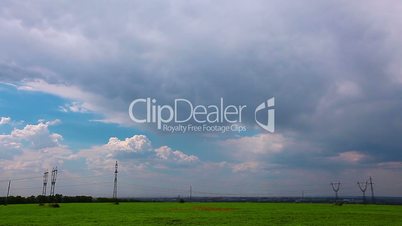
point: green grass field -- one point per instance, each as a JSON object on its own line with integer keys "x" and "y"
{"x": 200, "y": 214}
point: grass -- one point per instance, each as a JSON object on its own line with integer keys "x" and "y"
{"x": 200, "y": 214}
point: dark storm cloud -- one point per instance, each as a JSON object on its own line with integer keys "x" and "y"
{"x": 333, "y": 66}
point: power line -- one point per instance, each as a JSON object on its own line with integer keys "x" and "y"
{"x": 66, "y": 177}
{"x": 157, "y": 187}
{"x": 23, "y": 178}
{"x": 63, "y": 186}
{"x": 336, "y": 186}
{"x": 59, "y": 173}
{"x": 184, "y": 191}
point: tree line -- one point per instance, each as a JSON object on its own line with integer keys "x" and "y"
{"x": 58, "y": 198}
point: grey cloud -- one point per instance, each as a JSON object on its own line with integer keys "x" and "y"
{"x": 332, "y": 66}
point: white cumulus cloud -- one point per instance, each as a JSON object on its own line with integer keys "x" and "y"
{"x": 136, "y": 153}
{"x": 135, "y": 143}
{"x": 33, "y": 136}
{"x": 5, "y": 120}
{"x": 33, "y": 148}
{"x": 166, "y": 153}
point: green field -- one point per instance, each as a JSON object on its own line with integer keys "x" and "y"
{"x": 200, "y": 214}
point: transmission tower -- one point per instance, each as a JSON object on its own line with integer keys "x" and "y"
{"x": 191, "y": 191}
{"x": 45, "y": 177}
{"x": 363, "y": 188}
{"x": 335, "y": 187}
{"x": 372, "y": 189}
{"x": 115, "y": 182}
{"x": 8, "y": 192}
{"x": 53, "y": 181}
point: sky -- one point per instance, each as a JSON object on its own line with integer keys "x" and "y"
{"x": 69, "y": 71}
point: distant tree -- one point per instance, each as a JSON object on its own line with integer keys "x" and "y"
{"x": 42, "y": 199}
{"x": 58, "y": 198}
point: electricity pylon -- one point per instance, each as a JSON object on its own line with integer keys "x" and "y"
{"x": 45, "y": 177}
{"x": 115, "y": 182}
{"x": 8, "y": 192}
{"x": 335, "y": 187}
{"x": 53, "y": 181}
{"x": 372, "y": 189}
{"x": 363, "y": 188}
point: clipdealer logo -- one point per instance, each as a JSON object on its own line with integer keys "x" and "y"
{"x": 268, "y": 106}
{"x": 183, "y": 116}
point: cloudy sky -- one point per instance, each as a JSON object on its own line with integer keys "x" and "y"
{"x": 69, "y": 70}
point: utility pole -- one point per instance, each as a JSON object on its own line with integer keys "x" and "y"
{"x": 335, "y": 187}
{"x": 363, "y": 188}
{"x": 115, "y": 182}
{"x": 45, "y": 177}
{"x": 8, "y": 192}
{"x": 372, "y": 189}
{"x": 53, "y": 181}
